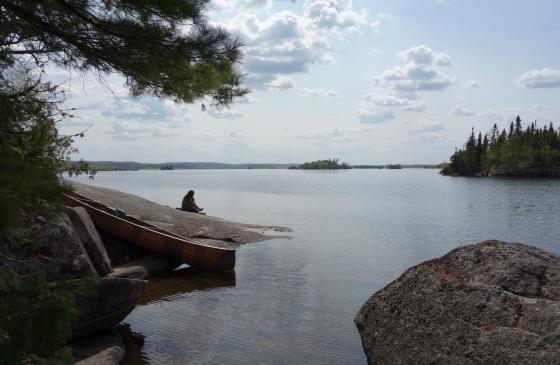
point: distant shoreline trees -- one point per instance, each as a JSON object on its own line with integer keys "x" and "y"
{"x": 533, "y": 151}
{"x": 324, "y": 165}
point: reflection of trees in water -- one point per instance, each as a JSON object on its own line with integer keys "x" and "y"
{"x": 133, "y": 343}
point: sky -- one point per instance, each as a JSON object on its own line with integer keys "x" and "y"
{"x": 368, "y": 82}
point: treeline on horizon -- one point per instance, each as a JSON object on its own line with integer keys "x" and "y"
{"x": 132, "y": 166}
{"x": 533, "y": 151}
{"x": 324, "y": 165}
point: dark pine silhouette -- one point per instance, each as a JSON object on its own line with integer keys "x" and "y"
{"x": 324, "y": 165}
{"x": 533, "y": 151}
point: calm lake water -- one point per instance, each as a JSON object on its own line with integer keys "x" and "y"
{"x": 354, "y": 231}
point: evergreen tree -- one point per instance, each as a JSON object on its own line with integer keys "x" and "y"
{"x": 164, "y": 48}
{"x": 533, "y": 151}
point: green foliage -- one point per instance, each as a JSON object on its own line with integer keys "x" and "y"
{"x": 32, "y": 153}
{"x": 516, "y": 152}
{"x": 37, "y": 316}
{"x": 165, "y": 48}
{"x": 325, "y": 165}
{"x": 393, "y": 166}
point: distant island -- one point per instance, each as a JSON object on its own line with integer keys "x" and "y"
{"x": 393, "y": 166}
{"x": 533, "y": 151}
{"x": 324, "y": 165}
{"x": 135, "y": 166}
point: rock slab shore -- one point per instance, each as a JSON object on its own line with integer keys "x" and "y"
{"x": 489, "y": 303}
{"x": 205, "y": 229}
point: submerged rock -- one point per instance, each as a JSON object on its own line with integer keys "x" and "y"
{"x": 489, "y": 303}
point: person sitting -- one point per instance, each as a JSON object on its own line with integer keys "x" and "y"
{"x": 189, "y": 205}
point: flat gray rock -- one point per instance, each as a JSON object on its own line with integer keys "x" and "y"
{"x": 219, "y": 232}
{"x": 489, "y": 303}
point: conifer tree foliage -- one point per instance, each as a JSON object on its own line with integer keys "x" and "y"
{"x": 164, "y": 48}
{"x": 533, "y": 151}
{"x": 325, "y": 165}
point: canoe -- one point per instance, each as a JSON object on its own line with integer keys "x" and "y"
{"x": 153, "y": 238}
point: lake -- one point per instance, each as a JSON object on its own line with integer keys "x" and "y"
{"x": 293, "y": 301}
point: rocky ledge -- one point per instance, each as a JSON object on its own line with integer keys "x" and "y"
{"x": 489, "y": 303}
{"x": 210, "y": 230}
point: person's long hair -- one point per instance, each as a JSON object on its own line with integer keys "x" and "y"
{"x": 190, "y": 194}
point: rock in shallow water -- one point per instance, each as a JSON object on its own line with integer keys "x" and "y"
{"x": 489, "y": 303}
{"x": 114, "y": 300}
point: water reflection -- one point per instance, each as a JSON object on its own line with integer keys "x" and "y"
{"x": 133, "y": 343}
{"x": 169, "y": 287}
{"x": 176, "y": 284}
{"x": 355, "y": 231}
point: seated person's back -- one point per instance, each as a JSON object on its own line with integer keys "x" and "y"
{"x": 188, "y": 204}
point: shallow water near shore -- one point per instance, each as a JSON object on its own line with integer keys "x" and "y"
{"x": 294, "y": 300}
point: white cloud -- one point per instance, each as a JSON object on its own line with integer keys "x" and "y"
{"x": 247, "y": 99}
{"x": 394, "y": 100}
{"x": 316, "y": 93}
{"x": 375, "y": 116}
{"x": 462, "y": 112}
{"x": 234, "y": 134}
{"x": 424, "y": 55}
{"x": 379, "y": 19}
{"x": 544, "y": 78}
{"x": 474, "y": 84}
{"x": 419, "y": 73}
{"x": 204, "y": 136}
{"x": 284, "y": 43}
{"x": 334, "y": 14}
{"x": 337, "y": 135}
{"x": 128, "y": 130}
{"x": 164, "y": 132}
{"x": 427, "y": 126}
{"x": 223, "y": 114}
{"x": 221, "y": 5}
{"x": 146, "y": 109}
{"x": 539, "y": 107}
{"x": 416, "y": 106}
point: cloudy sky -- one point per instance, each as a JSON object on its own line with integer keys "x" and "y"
{"x": 364, "y": 81}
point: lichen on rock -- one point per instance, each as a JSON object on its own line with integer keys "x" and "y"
{"x": 489, "y": 303}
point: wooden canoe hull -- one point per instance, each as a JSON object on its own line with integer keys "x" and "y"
{"x": 154, "y": 238}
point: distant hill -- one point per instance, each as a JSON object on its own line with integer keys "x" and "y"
{"x": 131, "y": 165}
